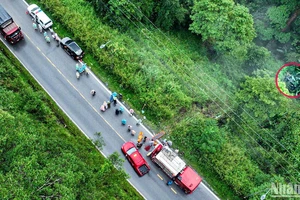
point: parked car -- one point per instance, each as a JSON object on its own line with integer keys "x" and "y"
{"x": 72, "y": 48}
{"x": 137, "y": 161}
{"x": 39, "y": 16}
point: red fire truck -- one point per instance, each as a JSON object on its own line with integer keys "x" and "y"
{"x": 173, "y": 166}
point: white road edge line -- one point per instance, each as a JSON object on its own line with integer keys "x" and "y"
{"x": 210, "y": 191}
{"x": 67, "y": 113}
{"x": 109, "y": 93}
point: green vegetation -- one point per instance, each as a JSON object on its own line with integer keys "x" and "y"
{"x": 222, "y": 24}
{"x": 291, "y": 77}
{"x": 40, "y": 158}
{"x": 214, "y": 92}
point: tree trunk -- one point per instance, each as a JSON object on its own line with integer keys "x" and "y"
{"x": 291, "y": 19}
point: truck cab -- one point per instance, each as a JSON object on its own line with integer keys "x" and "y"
{"x": 12, "y": 33}
{"x": 188, "y": 180}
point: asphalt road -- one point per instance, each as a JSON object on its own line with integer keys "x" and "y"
{"x": 55, "y": 72}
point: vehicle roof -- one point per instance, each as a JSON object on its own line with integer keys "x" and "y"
{"x": 170, "y": 160}
{"x": 4, "y": 16}
{"x": 11, "y": 28}
{"x": 190, "y": 178}
{"x": 31, "y": 7}
{"x": 137, "y": 158}
{"x": 73, "y": 45}
{"x": 42, "y": 16}
{"x": 65, "y": 39}
{"x": 75, "y": 48}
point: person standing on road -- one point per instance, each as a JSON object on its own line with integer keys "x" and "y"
{"x": 121, "y": 109}
{"x": 133, "y": 132}
{"x": 34, "y": 26}
{"x": 93, "y": 92}
{"x": 145, "y": 139}
{"x": 117, "y": 111}
{"x": 139, "y": 122}
{"x": 131, "y": 111}
{"x": 139, "y": 144}
{"x": 129, "y": 128}
{"x": 40, "y": 28}
{"x": 47, "y": 38}
{"x": 102, "y": 108}
{"x": 53, "y": 34}
{"x": 105, "y": 105}
{"x": 57, "y": 39}
{"x": 115, "y": 101}
{"x": 149, "y": 144}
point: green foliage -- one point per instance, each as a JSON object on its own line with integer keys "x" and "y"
{"x": 115, "y": 159}
{"x": 164, "y": 14}
{"x": 272, "y": 21}
{"x": 201, "y": 137}
{"x": 261, "y": 89}
{"x": 169, "y": 12}
{"x": 222, "y": 24}
{"x": 124, "y": 12}
{"x": 99, "y": 141}
{"x": 264, "y": 32}
{"x": 234, "y": 167}
{"x": 267, "y": 122}
{"x": 278, "y": 17}
{"x": 245, "y": 62}
{"x": 258, "y": 58}
{"x": 292, "y": 57}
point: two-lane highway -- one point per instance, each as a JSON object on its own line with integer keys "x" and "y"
{"x": 55, "y": 72}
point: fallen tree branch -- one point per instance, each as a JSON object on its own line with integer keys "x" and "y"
{"x": 291, "y": 19}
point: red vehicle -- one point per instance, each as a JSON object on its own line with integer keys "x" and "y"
{"x": 182, "y": 175}
{"x": 137, "y": 161}
{"x": 8, "y": 28}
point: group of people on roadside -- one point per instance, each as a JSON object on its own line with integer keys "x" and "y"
{"x": 37, "y": 26}
{"x": 149, "y": 143}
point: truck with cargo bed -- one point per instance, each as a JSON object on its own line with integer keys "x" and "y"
{"x": 175, "y": 168}
{"x": 8, "y": 28}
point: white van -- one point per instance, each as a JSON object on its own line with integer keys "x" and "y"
{"x": 39, "y": 16}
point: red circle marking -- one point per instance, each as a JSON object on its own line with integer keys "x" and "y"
{"x": 276, "y": 79}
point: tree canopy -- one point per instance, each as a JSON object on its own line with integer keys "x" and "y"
{"x": 222, "y": 23}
